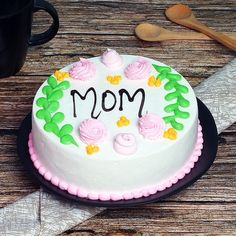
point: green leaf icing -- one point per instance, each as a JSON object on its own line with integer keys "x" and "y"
{"x": 53, "y": 106}
{"x": 172, "y": 96}
{"x": 182, "y": 88}
{"x": 58, "y": 117}
{"x": 176, "y": 96}
{"x": 170, "y": 85}
{"x": 52, "y": 82}
{"x": 43, "y": 114}
{"x": 42, "y": 102}
{"x": 40, "y": 114}
{"x": 162, "y": 76}
{"x": 173, "y": 122}
{"x": 47, "y": 90}
{"x": 51, "y": 127}
{"x": 173, "y": 77}
{"x": 161, "y": 69}
{"x": 63, "y": 85}
{"x": 49, "y": 104}
{"x": 183, "y": 102}
{"x": 68, "y": 139}
{"x": 66, "y": 129}
{"x": 57, "y": 95}
{"x": 176, "y": 125}
{"x": 168, "y": 119}
{"x": 47, "y": 117}
{"x": 171, "y": 108}
{"x": 181, "y": 114}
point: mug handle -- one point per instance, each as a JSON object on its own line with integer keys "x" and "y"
{"x": 37, "y": 39}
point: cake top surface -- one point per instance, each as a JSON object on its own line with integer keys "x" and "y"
{"x": 115, "y": 106}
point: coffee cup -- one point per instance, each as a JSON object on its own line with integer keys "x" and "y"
{"x": 15, "y": 32}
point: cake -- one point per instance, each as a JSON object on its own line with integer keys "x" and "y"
{"x": 115, "y": 127}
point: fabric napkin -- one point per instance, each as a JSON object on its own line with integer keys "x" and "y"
{"x": 218, "y": 93}
{"x": 41, "y": 213}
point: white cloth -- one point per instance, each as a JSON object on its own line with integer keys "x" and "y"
{"x": 41, "y": 213}
{"x": 218, "y": 93}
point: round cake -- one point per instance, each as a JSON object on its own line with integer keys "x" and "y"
{"x": 115, "y": 127}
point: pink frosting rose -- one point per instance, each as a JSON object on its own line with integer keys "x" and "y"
{"x": 151, "y": 126}
{"x": 83, "y": 70}
{"x": 138, "y": 70}
{"x": 92, "y": 131}
{"x": 112, "y": 59}
{"x": 125, "y": 144}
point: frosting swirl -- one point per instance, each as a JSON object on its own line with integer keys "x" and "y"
{"x": 151, "y": 126}
{"x": 111, "y": 59}
{"x": 92, "y": 131}
{"x": 83, "y": 70}
{"x": 138, "y": 70}
{"x": 125, "y": 143}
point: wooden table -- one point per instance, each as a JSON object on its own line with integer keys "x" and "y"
{"x": 87, "y": 28}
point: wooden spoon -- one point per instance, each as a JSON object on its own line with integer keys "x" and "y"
{"x": 153, "y": 33}
{"x": 182, "y": 14}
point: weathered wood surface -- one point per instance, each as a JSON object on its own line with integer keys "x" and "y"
{"x": 87, "y": 28}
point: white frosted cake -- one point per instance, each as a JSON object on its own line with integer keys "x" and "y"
{"x": 115, "y": 127}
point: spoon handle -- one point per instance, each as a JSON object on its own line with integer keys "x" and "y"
{"x": 193, "y": 36}
{"x": 193, "y": 23}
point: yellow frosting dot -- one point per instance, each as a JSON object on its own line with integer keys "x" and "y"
{"x": 123, "y": 118}
{"x": 66, "y": 74}
{"x": 151, "y": 84}
{"x": 126, "y": 123}
{"x": 119, "y": 123}
{"x": 151, "y": 81}
{"x": 90, "y": 149}
{"x": 170, "y": 134}
{"x": 95, "y": 148}
{"x": 172, "y": 131}
{"x": 123, "y": 121}
{"x": 60, "y": 75}
{"x": 158, "y": 83}
{"x": 109, "y": 78}
{"x": 165, "y": 135}
{"x": 118, "y": 77}
{"x": 114, "y": 80}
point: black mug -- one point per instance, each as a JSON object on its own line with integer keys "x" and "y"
{"x": 15, "y": 32}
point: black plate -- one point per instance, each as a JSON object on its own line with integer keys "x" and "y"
{"x": 205, "y": 161}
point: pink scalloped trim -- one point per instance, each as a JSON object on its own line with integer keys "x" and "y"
{"x": 115, "y": 197}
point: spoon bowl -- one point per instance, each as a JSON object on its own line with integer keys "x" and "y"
{"x": 155, "y": 33}
{"x": 148, "y": 32}
{"x": 183, "y": 15}
{"x": 179, "y": 11}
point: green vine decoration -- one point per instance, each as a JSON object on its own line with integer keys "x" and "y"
{"x": 176, "y": 96}
{"x": 49, "y": 105}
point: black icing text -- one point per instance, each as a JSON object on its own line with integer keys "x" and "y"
{"x": 122, "y": 93}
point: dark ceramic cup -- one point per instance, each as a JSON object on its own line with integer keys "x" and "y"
{"x": 15, "y": 32}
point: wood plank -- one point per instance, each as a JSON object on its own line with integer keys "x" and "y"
{"x": 120, "y": 17}
{"x": 191, "y": 59}
{"x": 83, "y": 33}
{"x": 164, "y": 218}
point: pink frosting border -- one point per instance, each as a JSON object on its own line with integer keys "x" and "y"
{"x": 144, "y": 192}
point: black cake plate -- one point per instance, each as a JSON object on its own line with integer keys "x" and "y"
{"x": 205, "y": 161}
